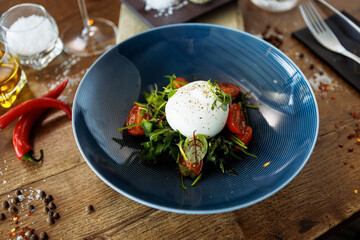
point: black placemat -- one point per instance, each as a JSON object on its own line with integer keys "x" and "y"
{"x": 183, "y": 14}
{"x": 350, "y": 39}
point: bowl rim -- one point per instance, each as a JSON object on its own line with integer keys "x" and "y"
{"x": 191, "y": 211}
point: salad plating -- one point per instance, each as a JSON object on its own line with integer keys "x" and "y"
{"x": 183, "y": 138}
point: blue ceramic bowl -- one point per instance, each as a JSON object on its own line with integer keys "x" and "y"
{"x": 285, "y": 126}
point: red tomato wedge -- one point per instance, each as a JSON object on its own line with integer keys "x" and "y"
{"x": 135, "y": 117}
{"x": 236, "y": 121}
{"x": 231, "y": 89}
{"x": 194, "y": 168}
{"x": 176, "y": 83}
{"x": 247, "y": 135}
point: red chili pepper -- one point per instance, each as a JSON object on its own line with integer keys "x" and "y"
{"x": 30, "y": 106}
{"x": 23, "y": 127}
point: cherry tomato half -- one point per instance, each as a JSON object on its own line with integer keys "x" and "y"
{"x": 231, "y": 89}
{"x": 179, "y": 85}
{"x": 247, "y": 135}
{"x": 236, "y": 121}
{"x": 135, "y": 117}
{"x": 195, "y": 168}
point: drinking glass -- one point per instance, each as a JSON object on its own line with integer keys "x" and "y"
{"x": 31, "y": 32}
{"x": 89, "y": 37}
{"x": 12, "y": 78}
{"x": 275, "y": 5}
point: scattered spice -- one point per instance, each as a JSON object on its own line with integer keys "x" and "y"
{"x": 52, "y": 206}
{"x": 50, "y": 220}
{"x": 50, "y": 198}
{"x": 15, "y": 200}
{"x": 46, "y": 209}
{"x": 46, "y": 201}
{"x": 18, "y": 192}
{"x": 13, "y": 210}
{"x": 2, "y": 217}
{"x": 266, "y": 164}
{"x": 273, "y": 35}
{"x": 356, "y": 191}
{"x": 42, "y": 194}
{"x": 56, "y": 215}
{"x": 90, "y": 208}
{"x": 50, "y": 213}
{"x": 43, "y": 236}
{"x": 5, "y": 205}
{"x": 29, "y": 232}
{"x": 34, "y": 237}
{"x": 30, "y": 207}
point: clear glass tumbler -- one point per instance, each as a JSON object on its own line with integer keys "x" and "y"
{"x": 31, "y": 32}
{"x": 12, "y": 78}
{"x": 275, "y": 5}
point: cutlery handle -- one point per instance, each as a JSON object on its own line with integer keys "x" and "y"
{"x": 350, "y": 55}
{"x": 341, "y": 15}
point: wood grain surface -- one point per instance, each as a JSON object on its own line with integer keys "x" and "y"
{"x": 325, "y": 193}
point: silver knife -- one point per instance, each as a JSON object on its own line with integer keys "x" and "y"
{"x": 341, "y": 15}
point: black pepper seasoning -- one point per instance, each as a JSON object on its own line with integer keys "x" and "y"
{"x": 50, "y": 198}
{"x": 42, "y": 194}
{"x": 5, "y": 205}
{"x": 43, "y": 236}
{"x": 52, "y": 206}
{"x": 56, "y": 215}
{"x": 30, "y": 207}
{"x": 90, "y": 208}
{"x": 34, "y": 237}
{"x": 29, "y": 233}
{"x": 13, "y": 210}
{"x": 2, "y": 217}
{"x": 15, "y": 200}
{"x": 46, "y": 201}
{"x": 50, "y": 220}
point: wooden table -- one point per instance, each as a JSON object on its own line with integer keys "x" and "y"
{"x": 320, "y": 198}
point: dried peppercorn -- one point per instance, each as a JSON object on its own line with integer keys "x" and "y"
{"x": 5, "y": 205}
{"x": 50, "y": 220}
{"x": 52, "y": 206}
{"x": 90, "y": 208}
{"x": 56, "y": 215}
{"x": 43, "y": 236}
{"x": 13, "y": 210}
{"x": 50, "y": 198}
{"x": 46, "y": 209}
{"x": 15, "y": 200}
{"x": 42, "y": 194}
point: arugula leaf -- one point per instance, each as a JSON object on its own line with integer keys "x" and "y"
{"x": 221, "y": 97}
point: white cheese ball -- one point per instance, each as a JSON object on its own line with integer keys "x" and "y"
{"x": 189, "y": 110}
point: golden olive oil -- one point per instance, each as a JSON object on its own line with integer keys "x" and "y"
{"x": 12, "y": 79}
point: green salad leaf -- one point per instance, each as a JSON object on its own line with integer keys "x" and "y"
{"x": 195, "y": 147}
